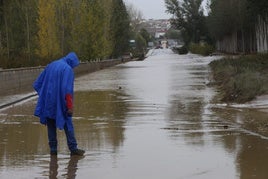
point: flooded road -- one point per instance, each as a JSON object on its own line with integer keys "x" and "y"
{"x": 151, "y": 119}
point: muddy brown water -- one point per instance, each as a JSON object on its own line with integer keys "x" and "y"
{"x": 151, "y": 119}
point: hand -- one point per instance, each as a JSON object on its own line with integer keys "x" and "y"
{"x": 70, "y": 112}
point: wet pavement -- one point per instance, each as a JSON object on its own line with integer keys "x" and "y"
{"x": 150, "y": 119}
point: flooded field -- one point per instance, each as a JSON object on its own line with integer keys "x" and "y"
{"x": 150, "y": 119}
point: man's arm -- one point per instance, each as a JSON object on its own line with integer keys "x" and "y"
{"x": 69, "y": 104}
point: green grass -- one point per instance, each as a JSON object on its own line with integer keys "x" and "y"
{"x": 241, "y": 79}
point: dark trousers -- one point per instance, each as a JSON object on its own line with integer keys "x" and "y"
{"x": 52, "y": 136}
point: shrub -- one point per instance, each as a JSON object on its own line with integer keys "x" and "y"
{"x": 182, "y": 50}
{"x": 202, "y": 49}
{"x": 241, "y": 79}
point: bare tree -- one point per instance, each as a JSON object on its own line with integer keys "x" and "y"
{"x": 136, "y": 17}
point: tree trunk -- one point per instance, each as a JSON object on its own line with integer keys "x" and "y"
{"x": 228, "y": 44}
{"x": 7, "y": 37}
{"x": 28, "y": 34}
{"x": 262, "y": 35}
{"x": 1, "y": 40}
{"x": 63, "y": 31}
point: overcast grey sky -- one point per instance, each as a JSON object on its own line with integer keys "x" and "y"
{"x": 150, "y": 9}
{"x": 153, "y": 9}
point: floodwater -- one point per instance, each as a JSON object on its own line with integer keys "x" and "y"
{"x": 151, "y": 119}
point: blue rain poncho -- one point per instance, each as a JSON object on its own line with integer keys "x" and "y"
{"x": 52, "y": 86}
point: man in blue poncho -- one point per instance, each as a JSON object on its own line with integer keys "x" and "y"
{"x": 55, "y": 103}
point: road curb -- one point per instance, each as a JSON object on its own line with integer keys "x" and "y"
{"x": 17, "y": 101}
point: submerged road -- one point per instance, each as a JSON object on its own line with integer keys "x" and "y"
{"x": 151, "y": 119}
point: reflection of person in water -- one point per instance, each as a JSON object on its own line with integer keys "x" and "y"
{"x": 71, "y": 169}
{"x": 72, "y": 166}
{"x": 53, "y": 167}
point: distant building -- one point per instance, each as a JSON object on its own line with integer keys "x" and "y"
{"x": 160, "y": 33}
{"x": 157, "y": 28}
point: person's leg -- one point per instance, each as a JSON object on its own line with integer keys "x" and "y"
{"x": 52, "y": 136}
{"x": 71, "y": 140}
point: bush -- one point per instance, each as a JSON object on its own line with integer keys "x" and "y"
{"x": 241, "y": 79}
{"x": 204, "y": 49}
{"x": 243, "y": 87}
{"x": 181, "y": 50}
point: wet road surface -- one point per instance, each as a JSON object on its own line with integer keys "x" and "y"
{"x": 151, "y": 119}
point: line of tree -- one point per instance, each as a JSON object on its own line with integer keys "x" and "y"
{"x": 34, "y": 32}
{"x": 138, "y": 33}
{"x": 189, "y": 18}
{"x": 233, "y": 23}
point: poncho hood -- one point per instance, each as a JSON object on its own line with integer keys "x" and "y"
{"x": 72, "y": 59}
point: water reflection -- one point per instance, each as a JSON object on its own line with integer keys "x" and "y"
{"x": 101, "y": 104}
{"x": 21, "y": 136}
{"x": 188, "y": 119}
{"x": 248, "y": 141}
{"x": 191, "y": 116}
{"x": 99, "y": 122}
{"x": 53, "y": 167}
{"x": 101, "y": 116}
{"x": 252, "y": 158}
{"x": 189, "y": 99}
{"x": 162, "y": 119}
{"x": 70, "y": 170}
